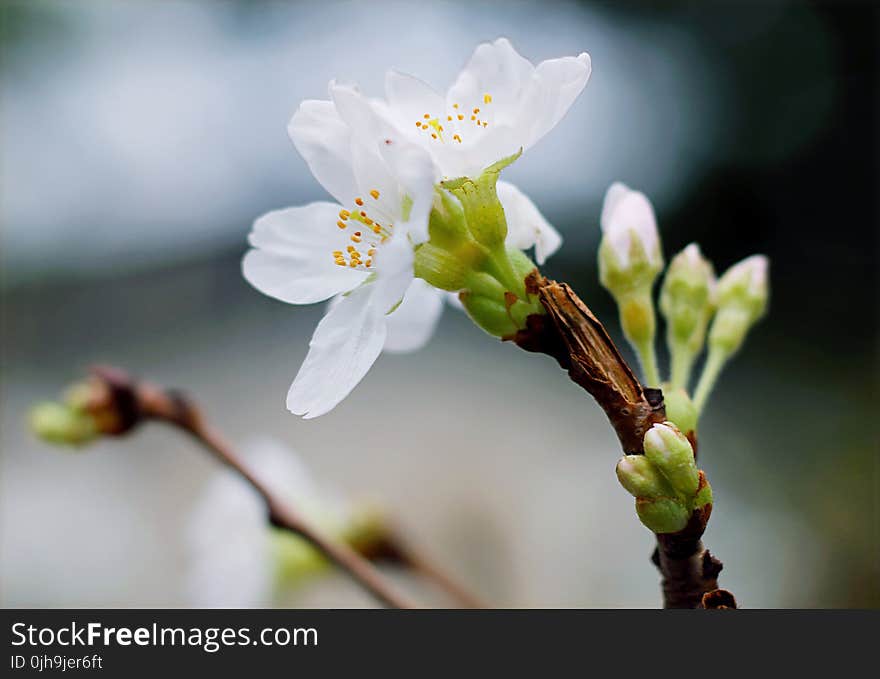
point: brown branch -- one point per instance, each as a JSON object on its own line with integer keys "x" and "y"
{"x": 121, "y": 403}
{"x": 571, "y": 334}
{"x": 405, "y": 554}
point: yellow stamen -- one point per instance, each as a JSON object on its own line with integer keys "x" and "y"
{"x": 374, "y": 194}
{"x": 487, "y": 98}
{"x": 340, "y": 224}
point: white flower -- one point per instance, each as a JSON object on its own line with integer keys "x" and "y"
{"x": 360, "y": 247}
{"x": 498, "y": 104}
{"x": 627, "y": 214}
{"x": 232, "y": 551}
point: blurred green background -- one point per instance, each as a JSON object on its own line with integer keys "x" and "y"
{"x": 139, "y": 140}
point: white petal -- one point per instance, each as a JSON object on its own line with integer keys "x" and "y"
{"x": 411, "y": 98}
{"x": 292, "y": 259}
{"x": 495, "y": 69}
{"x": 626, "y": 212}
{"x": 526, "y": 226}
{"x": 350, "y": 337}
{"x": 385, "y": 159}
{"x": 324, "y": 141}
{"x": 554, "y": 88}
{"x": 411, "y": 325}
{"x": 345, "y": 345}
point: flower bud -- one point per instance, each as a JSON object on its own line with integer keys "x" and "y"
{"x": 670, "y": 450}
{"x": 687, "y": 302}
{"x": 490, "y": 313}
{"x": 663, "y": 514}
{"x": 447, "y": 226}
{"x": 743, "y": 292}
{"x": 440, "y": 267}
{"x": 680, "y": 409}
{"x": 638, "y": 475}
{"x": 61, "y": 424}
{"x": 629, "y": 254}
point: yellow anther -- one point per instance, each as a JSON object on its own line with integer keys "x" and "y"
{"x": 374, "y": 194}
{"x": 371, "y": 252}
{"x": 455, "y": 106}
{"x": 368, "y": 263}
{"x": 377, "y": 229}
{"x": 368, "y": 221}
{"x": 351, "y": 249}
{"x": 476, "y": 111}
{"x": 487, "y": 98}
{"x": 448, "y": 117}
{"x": 457, "y": 138}
{"x": 485, "y": 123}
{"x": 473, "y": 117}
{"x": 340, "y": 224}
{"x": 344, "y": 214}
{"x": 460, "y": 117}
{"x": 426, "y": 116}
{"x": 359, "y": 201}
{"x": 418, "y": 123}
{"x": 433, "y": 136}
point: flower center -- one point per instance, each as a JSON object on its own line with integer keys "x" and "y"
{"x": 458, "y": 123}
{"x": 365, "y": 232}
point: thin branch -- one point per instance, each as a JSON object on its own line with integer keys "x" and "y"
{"x": 419, "y": 563}
{"x": 127, "y": 402}
{"x": 571, "y": 334}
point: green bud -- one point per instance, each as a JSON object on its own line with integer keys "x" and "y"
{"x": 663, "y": 514}
{"x": 641, "y": 478}
{"x": 490, "y": 313}
{"x": 447, "y": 226}
{"x": 670, "y": 450}
{"x": 743, "y": 292}
{"x": 294, "y": 559}
{"x": 61, "y": 424}
{"x": 680, "y": 410}
{"x": 686, "y": 297}
{"x": 440, "y": 267}
{"x": 482, "y": 208}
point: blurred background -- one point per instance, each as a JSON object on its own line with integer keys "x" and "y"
{"x": 138, "y": 142}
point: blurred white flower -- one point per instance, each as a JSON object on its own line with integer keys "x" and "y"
{"x": 628, "y": 214}
{"x": 360, "y": 248}
{"x": 235, "y": 559}
{"x": 498, "y": 104}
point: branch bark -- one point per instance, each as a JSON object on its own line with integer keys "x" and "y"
{"x": 571, "y": 334}
{"x": 120, "y": 403}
